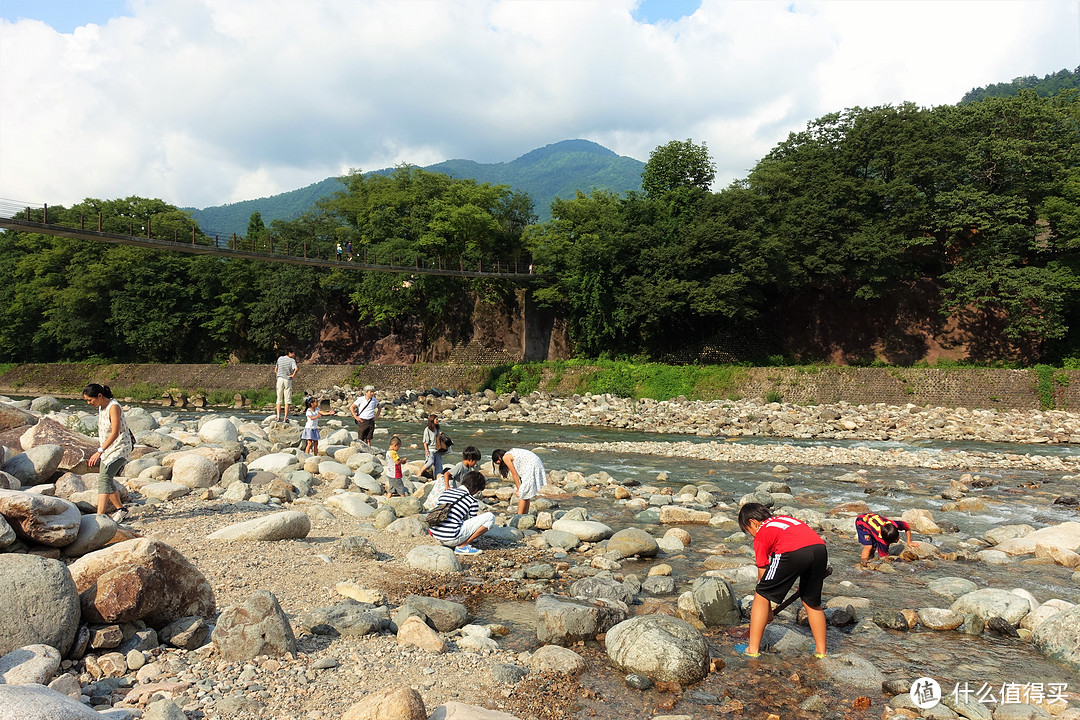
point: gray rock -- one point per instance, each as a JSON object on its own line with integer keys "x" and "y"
{"x": 139, "y": 420}
{"x": 286, "y": 525}
{"x": 632, "y": 542}
{"x": 40, "y": 603}
{"x": 507, "y": 674}
{"x": 660, "y": 647}
{"x": 443, "y": 614}
{"x": 258, "y": 626}
{"x": 564, "y": 621}
{"x": 357, "y": 546}
{"x": 7, "y": 535}
{"x": 194, "y": 471}
{"x": 1058, "y": 637}
{"x": 602, "y": 585}
{"x": 939, "y": 618}
{"x": 854, "y": 670}
{"x": 659, "y": 585}
{"x": 434, "y": 559}
{"x": 95, "y": 531}
{"x": 237, "y": 472}
{"x": 890, "y": 619}
{"x": 407, "y": 526}
{"x": 31, "y": 664}
{"x": 37, "y": 702}
{"x": 188, "y": 633}
{"x": 45, "y": 404}
{"x": 346, "y": 619}
{"x": 586, "y": 530}
{"x": 951, "y": 587}
{"x": 146, "y": 639}
{"x": 561, "y": 539}
{"x": 716, "y": 602}
{"x": 992, "y": 602}
{"x": 36, "y": 465}
{"x": 164, "y": 709}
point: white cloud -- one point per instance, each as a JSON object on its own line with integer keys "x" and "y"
{"x": 202, "y": 102}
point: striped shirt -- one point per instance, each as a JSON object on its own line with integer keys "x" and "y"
{"x": 464, "y": 507}
{"x": 285, "y": 366}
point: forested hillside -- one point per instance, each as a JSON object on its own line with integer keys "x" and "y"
{"x": 1046, "y": 86}
{"x": 556, "y": 170}
{"x": 886, "y": 234}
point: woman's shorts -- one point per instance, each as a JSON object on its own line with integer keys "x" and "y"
{"x": 109, "y": 470}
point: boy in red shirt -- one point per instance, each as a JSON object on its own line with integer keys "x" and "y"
{"x": 785, "y": 550}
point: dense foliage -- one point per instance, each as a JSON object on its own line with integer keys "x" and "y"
{"x": 980, "y": 200}
{"x": 983, "y": 199}
{"x": 1046, "y": 86}
{"x": 66, "y": 299}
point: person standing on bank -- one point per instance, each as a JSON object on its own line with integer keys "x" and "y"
{"x": 433, "y": 458}
{"x": 286, "y": 371}
{"x": 527, "y": 471}
{"x": 365, "y": 410}
{"x": 114, "y": 447}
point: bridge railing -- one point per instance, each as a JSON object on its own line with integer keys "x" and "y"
{"x": 272, "y": 247}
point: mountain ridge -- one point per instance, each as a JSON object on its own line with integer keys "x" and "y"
{"x": 558, "y": 169}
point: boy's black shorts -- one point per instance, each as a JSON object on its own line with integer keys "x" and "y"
{"x": 807, "y": 565}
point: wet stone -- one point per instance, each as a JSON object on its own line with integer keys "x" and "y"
{"x": 638, "y": 681}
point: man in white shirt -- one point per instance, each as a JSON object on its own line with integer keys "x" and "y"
{"x": 365, "y": 410}
{"x": 286, "y": 371}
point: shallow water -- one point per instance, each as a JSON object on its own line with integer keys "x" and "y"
{"x": 1017, "y": 496}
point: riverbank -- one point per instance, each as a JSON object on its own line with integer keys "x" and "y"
{"x": 978, "y": 388}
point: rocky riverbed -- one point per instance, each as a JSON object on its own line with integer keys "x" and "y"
{"x": 253, "y": 580}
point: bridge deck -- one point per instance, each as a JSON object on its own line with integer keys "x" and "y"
{"x": 157, "y": 244}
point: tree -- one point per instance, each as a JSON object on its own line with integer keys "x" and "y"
{"x": 255, "y": 226}
{"x": 677, "y": 165}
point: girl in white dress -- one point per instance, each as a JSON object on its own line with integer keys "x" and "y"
{"x": 527, "y": 471}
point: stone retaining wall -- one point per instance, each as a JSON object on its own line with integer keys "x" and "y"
{"x": 971, "y": 388}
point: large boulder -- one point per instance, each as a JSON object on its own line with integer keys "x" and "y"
{"x": 76, "y": 447}
{"x": 352, "y": 618}
{"x": 444, "y": 615}
{"x": 854, "y": 670}
{"x": 1058, "y": 637}
{"x": 565, "y": 621}
{"x": 218, "y": 430}
{"x": 13, "y": 417}
{"x": 30, "y": 664}
{"x": 258, "y": 626}
{"x": 660, "y": 647}
{"x": 45, "y": 404}
{"x": 194, "y": 471}
{"x": 43, "y": 519}
{"x": 141, "y": 579}
{"x": 586, "y": 530}
{"x": 274, "y": 462}
{"x": 435, "y": 559}
{"x": 351, "y": 504}
{"x": 633, "y": 541}
{"x": 139, "y": 420}
{"x": 39, "y": 601}
{"x": 37, "y": 702}
{"x": 36, "y": 465}
{"x": 287, "y": 525}
{"x": 602, "y": 586}
{"x": 393, "y": 703}
{"x": 715, "y": 602}
{"x": 1065, "y": 536}
{"x": 992, "y": 602}
{"x": 95, "y": 532}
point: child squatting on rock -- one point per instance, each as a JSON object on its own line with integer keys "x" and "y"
{"x": 878, "y": 533}
{"x": 785, "y": 550}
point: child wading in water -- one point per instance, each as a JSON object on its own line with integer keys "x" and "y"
{"x": 786, "y": 550}
{"x": 394, "y": 486}
{"x": 311, "y": 429}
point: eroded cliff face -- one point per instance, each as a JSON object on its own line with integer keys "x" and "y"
{"x": 489, "y": 331}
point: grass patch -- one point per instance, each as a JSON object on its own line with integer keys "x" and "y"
{"x": 1044, "y": 386}
{"x": 139, "y": 392}
{"x": 623, "y": 378}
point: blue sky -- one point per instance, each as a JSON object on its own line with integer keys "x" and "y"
{"x": 206, "y": 102}
{"x": 66, "y": 15}
{"x": 63, "y": 15}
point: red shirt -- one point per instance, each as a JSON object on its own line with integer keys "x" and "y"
{"x": 781, "y": 534}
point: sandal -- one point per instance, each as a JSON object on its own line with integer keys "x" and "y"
{"x": 741, "y": 649}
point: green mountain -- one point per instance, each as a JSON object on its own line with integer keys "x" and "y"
{"x": 556, "y": 170}
{"x": 1046, "y": 86}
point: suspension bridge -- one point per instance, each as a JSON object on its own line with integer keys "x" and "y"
{"x": 35, "y": 219}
